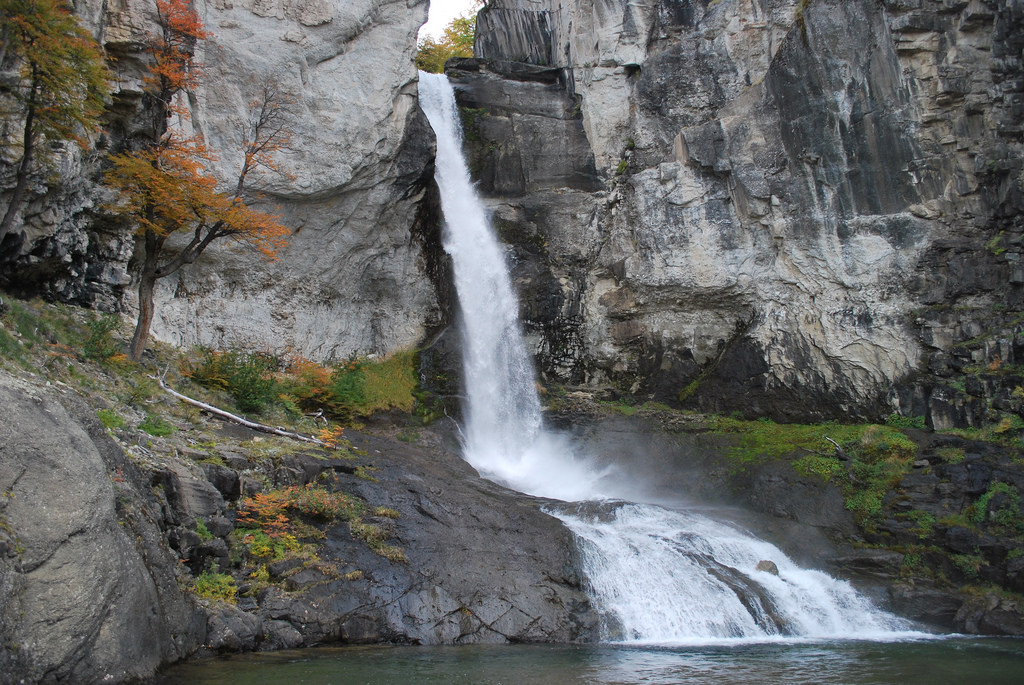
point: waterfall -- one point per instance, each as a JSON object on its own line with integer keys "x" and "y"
{"x": 655, "y": 574}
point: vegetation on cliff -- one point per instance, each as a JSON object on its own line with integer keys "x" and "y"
{"x": 275, "y": 521}
{"x": 456, "y": 41}
{"x": 62, "y": 87}
{"x": 166, "y": 187}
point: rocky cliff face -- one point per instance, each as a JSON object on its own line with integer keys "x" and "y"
{"x": 805, "y": 204}
{"x": 88, "y": 588}
{"x": 353, "y": 279}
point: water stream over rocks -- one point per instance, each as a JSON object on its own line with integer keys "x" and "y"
{"x": 656, "y": 575}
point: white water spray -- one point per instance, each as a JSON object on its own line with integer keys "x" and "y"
{"x": 656, "y": 575}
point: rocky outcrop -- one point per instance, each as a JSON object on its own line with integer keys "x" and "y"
{"x": 103, "y": 535}
{"x": 89, "y": 588}
{"x": 484, "y": 564}
{"x": 942, "y": 546}
{"x": 806, "y": 203}
{"x": 354, "y": 278}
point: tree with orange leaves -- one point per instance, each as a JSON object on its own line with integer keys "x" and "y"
{"x": 167, "y": 187}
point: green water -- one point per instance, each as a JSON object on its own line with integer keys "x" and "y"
{"x": 929, "y": 662}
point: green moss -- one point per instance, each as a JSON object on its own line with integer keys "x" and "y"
{"x": 1006, "y": 515}
{"x": 922, "y": 520}
{"x": 376, "y": 539}
{"x": 898, "y": 421}
{"x": 995, "y": 244}
{"x": 817, "y": 466}
{"x": 689, "y": 391}
{"x": 951, "y": 455}
{"x": 470, "y": 117}
{"x": 969, "y": 564}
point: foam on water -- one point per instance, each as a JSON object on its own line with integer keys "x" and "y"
{"x": 656, "y": 575}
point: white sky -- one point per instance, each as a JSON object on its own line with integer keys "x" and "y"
{"x": 441, "y": 14}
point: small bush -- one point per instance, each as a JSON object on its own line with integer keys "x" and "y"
{"x": 318, "y": 503}
{"x": 264, "y": 546}
{"x": 156, "y": 426}
{"x": 247, "y": 376}
{"x": 202, "y": 531}
{"x": 216, "y": 586}
{"x": 898, "y": 421}
{"x": 110, "y": 419}
{"x": 100, "y": 345}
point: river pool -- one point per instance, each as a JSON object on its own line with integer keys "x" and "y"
{"x": 926, "y": 661}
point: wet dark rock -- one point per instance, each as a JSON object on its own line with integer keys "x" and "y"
{"x": 278, "y": 569}
{"x": 213, "y": 555}
{"x": 280, "y": 635}
{"x": 230, "y": 629}
{"x": 991, "y": 614}
{"x": 224, "y": 479}
{"x": 925, "y": 604}
{"x": 767, "y": 566}
{"x": 219, "y": 526}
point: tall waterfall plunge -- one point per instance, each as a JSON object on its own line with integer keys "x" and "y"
{"x": 655, "y": 575}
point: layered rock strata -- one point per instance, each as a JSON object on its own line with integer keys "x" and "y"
{"x": 806, "y": 204}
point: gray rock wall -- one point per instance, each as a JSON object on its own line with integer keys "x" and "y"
{"x": 89, "y": 588}
{"x": 789, "y": 185}
{"x": 353, "y": 279}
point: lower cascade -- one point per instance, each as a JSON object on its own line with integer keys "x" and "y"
{"x": 655, "y": 574}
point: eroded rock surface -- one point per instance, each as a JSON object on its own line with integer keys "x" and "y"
{"x": 89, "y": 587}
{"x": 798, "y": 197}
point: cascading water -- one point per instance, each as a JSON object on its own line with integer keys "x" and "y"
{"x": 657, "y": 575}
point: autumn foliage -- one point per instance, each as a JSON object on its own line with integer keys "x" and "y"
{"x": 168, "y": 188}
{"x": 456, "y": 41}
{"x": 61, "y": 86}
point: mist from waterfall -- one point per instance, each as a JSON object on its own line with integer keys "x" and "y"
{"x": 656, "y": 575}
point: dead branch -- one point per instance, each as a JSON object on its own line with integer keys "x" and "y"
{"x": 840, "y": 452}
{"x": 238, "y": 419}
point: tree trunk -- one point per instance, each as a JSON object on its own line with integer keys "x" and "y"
{"x": 147, "y": 281}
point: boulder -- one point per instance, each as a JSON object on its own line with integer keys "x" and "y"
{"x": 88, "y": 591}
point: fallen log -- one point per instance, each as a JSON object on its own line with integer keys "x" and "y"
{"x": 239, "y": 419}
